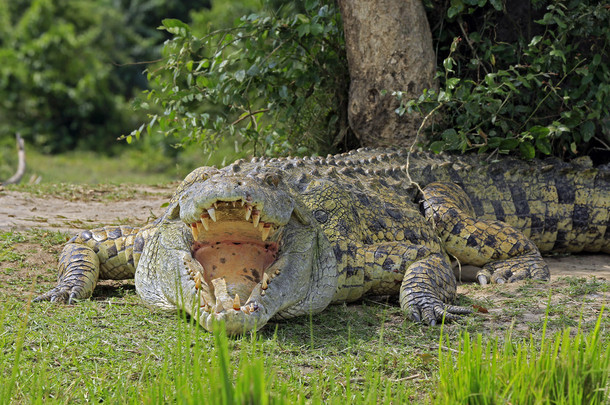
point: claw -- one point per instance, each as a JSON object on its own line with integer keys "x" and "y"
{"x": 72, "y": 299}
{"x": 482, "y": 279}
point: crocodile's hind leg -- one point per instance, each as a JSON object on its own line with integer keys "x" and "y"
{"x": 105, "y": 253}
{"x": 503, "y": 252}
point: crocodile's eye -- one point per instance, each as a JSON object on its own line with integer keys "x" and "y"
{"x": 272, "y": 179}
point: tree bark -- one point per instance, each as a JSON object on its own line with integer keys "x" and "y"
{"x": 389, "y": 47}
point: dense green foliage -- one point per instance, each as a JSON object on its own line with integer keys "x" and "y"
{"x": 541, "y": 87}
{"x": 527, "y": 77}
{"x": 65, "y": 78}
{"x": 276, "y": 81}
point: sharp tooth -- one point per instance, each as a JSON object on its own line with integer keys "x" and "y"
{"x": 202, "y": 302}
{"x": 218, "y": 308}
{"x": 265, "y": 232}
{"x": 265, "y": 281}
{"x": 233, "y": 203}
{"x": 212, "y": 212}
{"x": 246, "y": 309}
{"x": 215, "y": 204}
{"x": 198, "y": 278}
{"x": 236, "y": 304}
{"x": 277, "y": 272}
{"x": 194, "y": 230}
{"x": 256, "y": 216}
{"x": 251, "y": 307}
{"x": 200, "y": 227}
{"x": 263, "y": 292}
{"x": 205, "y": 221}
{"x": 242, "y": 202}
{"x": 248, "y": 212}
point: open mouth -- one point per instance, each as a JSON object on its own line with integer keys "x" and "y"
{"x": 236, "y": 250}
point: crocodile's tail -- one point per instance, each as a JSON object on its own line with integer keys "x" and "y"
{"x": 561, "y": 207}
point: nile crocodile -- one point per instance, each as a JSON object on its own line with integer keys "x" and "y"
{"x": 278, "y": 238}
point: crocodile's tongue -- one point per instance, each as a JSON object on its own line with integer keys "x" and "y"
{"x": 233, "y": 244}
{"x": 240, "y": 263}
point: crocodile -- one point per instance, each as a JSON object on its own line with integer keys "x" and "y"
{"x": 283, "y": 237}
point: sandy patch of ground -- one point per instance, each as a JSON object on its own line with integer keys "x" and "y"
{"x": 20, "y": 211}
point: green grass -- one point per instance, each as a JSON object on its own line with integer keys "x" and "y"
{"x": 119, "y": 353}
{"x": 137, "y": 165}
{"x": 569, "y": 369}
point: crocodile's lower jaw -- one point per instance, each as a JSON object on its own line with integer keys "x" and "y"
{"x": 236, "y": 252}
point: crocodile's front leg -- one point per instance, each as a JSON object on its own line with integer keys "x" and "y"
{"x": 420, "y": 274}
{"x": 104, "y": 253}
{"x": 503, "y": 252}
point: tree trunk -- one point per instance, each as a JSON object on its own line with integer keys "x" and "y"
{"x": 389, "y": 47}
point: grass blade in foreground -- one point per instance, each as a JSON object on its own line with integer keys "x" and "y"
{"x": 567, "y": 370}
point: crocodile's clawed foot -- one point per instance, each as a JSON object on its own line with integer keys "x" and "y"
{"x": 432, "y": 311}
{"x": 62, "y": 294}
{"x": 59, "y": 295}
{"x": 527, "y": 266}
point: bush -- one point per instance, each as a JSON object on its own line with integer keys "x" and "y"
{"x": 546, "y": 93}
{"x": 276, "y": 82}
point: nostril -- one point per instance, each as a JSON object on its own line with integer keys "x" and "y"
{"x": 239, "y": 183}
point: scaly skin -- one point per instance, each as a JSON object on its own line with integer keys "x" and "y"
{"x": 281, "y": 238}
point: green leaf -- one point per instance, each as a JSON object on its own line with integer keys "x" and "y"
{"x": 253, "y": 71}
{"x": 240, "y": 75}
{"x": 587, "y": 130}
{"x": 449, "y": 135}
{"x": 494, "y": 142}
{"x": 456, "y": 8}
{"x": 176, "y": 27}
{"x": 437, "y": 146}
{"x": 448, "y": 64}
{"x": 497, "y": 4}
{"x": 509, "y": 144}
{"x": 527, "y": 150}
{"x": 539, "y": 131}
{"x": 303, "y": 30}
{"x": 558, "y": 53}
{"x": 452, "y": 82}
{"x": 543, "y": 145}
{"x": 316, "y": 29}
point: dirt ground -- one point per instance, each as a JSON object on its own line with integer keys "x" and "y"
{"x": 20, "y": 211}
